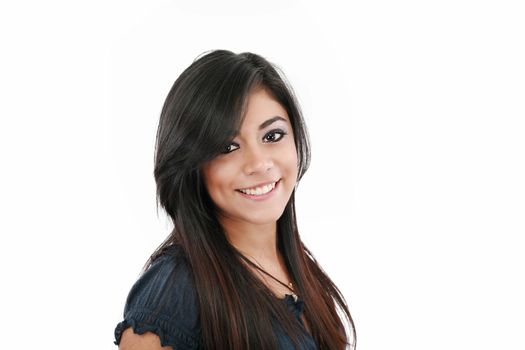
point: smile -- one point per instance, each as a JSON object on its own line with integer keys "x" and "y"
{"x": 261, "y": 192}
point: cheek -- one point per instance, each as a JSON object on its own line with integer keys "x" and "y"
{"x": 216, "y": 178}
{"x": 292, "y": 159}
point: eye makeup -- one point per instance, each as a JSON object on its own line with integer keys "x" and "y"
{"x": 272, "y": 132}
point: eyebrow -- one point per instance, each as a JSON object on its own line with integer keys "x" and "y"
{"x": 270, "y": 121}
{"x": 265, "y": 124}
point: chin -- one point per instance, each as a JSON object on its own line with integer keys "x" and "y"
{"x": 266, "y": 218}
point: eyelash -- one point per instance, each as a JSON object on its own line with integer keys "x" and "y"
{"x": 276, "y": 131}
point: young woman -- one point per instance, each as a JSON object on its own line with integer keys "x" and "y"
{"x": 233, "y": 274}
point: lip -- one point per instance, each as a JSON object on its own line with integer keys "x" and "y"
{"x": 259, "y": 185}
{"x": 264, "y": 196}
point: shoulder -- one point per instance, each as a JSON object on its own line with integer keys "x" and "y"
{"x": 163, "y": 300}
{"x": 167, "y": 280}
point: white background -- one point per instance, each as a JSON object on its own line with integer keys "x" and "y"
{"x": 414, "y": 203}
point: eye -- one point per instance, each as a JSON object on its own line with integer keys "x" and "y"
{"x": 229, "y": 149}
{"x": 271, "y": 135}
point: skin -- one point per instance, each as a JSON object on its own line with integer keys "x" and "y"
{"x": 250, "y": 226}
{"x": 146, "y": 341}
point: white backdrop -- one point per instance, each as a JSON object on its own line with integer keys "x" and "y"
{"x": 414, "y": 203}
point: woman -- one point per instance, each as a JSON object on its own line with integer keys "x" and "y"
{"x": 233, "y": 274}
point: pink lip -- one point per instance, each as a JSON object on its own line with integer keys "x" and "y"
{"x": 261, "y": 197}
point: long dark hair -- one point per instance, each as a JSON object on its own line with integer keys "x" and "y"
{"x": 200, "y": 116}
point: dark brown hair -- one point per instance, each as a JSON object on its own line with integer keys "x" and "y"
{"x": 200, "y": 117}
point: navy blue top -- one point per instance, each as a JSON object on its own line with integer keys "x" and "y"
{"x": 163, "y": 301}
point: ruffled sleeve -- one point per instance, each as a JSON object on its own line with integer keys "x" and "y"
{"x": 163, "y": 301}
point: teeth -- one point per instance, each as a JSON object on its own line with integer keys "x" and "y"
{"x": 259, "y": 190}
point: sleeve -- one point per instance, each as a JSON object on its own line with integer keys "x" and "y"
{"x": 163, "y": 301}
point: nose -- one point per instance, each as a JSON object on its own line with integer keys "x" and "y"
{"x": 257, "y": 161}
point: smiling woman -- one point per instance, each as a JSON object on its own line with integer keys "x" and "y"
{"x": 231, "y": 149}
{"x": 241, "y": 182}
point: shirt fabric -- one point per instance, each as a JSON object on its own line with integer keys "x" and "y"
{"x": 163, "y": 301}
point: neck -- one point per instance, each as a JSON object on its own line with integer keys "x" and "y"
{"x": 257, "y": 241}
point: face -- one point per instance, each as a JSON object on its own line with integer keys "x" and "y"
{"x": 263, "y": 155}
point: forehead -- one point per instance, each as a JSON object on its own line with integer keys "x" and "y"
{"x": 261, "y": 106}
